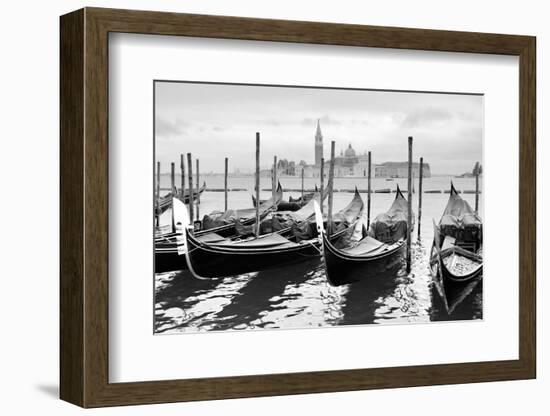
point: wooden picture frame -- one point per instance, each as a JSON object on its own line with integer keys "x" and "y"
{"x": 84, "y": 207}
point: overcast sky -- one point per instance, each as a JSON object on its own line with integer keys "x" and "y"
{"x": 214, "y": 121}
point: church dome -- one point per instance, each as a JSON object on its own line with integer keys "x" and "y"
{"x": 349, "y": 151}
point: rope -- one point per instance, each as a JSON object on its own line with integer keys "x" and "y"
{"x": 314, "y": 246}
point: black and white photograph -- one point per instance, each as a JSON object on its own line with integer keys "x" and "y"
{"x": 293, "y": 207}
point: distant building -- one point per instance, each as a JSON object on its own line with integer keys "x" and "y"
{"x": 347, "y": 164}
{"x": 286, "y": 168}
{"x": 400, "y": 170}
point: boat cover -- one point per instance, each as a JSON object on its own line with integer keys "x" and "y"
{"x": 365, "y": 246}
{"x": 391, "y": 226}
{"x": 210, "y": 238}
{"x": 218, "y": 218}
{"x": 270, "y": 240}
{"x": 459, "y": 214}
{"x": 307, "y": 230}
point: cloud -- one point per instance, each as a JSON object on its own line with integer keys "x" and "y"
{"x": 165, "y": 128}
{"x": 425, "y": 116}
{"x": 325, "y": 120}
{"x": 271, "y": 122}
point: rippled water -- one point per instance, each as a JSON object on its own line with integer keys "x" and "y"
{"x": 299, "y": 296}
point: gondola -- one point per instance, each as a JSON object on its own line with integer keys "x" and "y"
{"x": 366, "y": 258}
{"x": 281, "y": 206}
{"x": 216, "y": 259}
{"x": 184, "y": 197}
{"x": 224, "y": 223}
{"x": 165, "y": 201}
{"x": 456, "y": 261}
{"x": 168, "y": 247}
{"x": 294, "y": 204}
{"x": 302, "y": 200}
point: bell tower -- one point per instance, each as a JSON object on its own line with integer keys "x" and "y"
{"x": 318, "y": 145}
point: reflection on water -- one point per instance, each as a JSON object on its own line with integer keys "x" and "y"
{"x": 299, "y": 296}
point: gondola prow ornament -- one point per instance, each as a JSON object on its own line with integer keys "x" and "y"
{"x": 319, "y": 220}
{"x": 183, "y": 224}
{"x": 180, "y": 220}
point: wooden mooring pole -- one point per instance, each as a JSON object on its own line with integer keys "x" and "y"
{"x": 225, "y": 183}
{"x": 182, "y": 168}
{"x": 477, "y": 186}
{"x": 158, "y": 195}
{"x": 257, "y": 184}
{"x": 302, "y": 185}
{"x": 322, "y": 183}
{"x": 173, "y": 179}
{"x": 274, "y": 184}
{"x": 198, "y": 189}
{"x": 420, "y": 177}
{"x": 173, "y": 190}
{"x": 190, "y": 178}
{"x": 331, "y": 191}
{"x": 369, "y": 189}
{"x": 409, "y": 205}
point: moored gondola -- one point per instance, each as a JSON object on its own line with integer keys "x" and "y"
{"x": 456, "y": 261}
{"x": 222, "y": 258}
{"x": 294, "y": 204}
{"x": 169, "y": 248}
{"x": 223, "y": 223}
{"x": 165, "y": 201}
{"x": 366, "y": 258}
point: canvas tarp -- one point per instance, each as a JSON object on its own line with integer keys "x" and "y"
{"x": 391, "y": 226}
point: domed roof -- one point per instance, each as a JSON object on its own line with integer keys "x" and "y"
{"x": 349, "y": 151}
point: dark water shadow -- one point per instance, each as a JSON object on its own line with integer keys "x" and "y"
{"x": 177, "y": 293}
{"x": 256, "y": 297}
{"x": 361, "y": 299}
{"x": 183, "y": 285}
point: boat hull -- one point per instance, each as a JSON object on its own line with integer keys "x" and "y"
{"x": 167, "y": 260}
{"x": 207, "y": 261}
{"x": 210, "y": 261}
{"x": 452, "y": 289}
{"x": 342, "y": 269}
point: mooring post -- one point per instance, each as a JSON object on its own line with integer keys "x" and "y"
{"x": 302, "y": 186}
{"x": 173, "y": 190}
{"x": 420, "y": 177}
{"x": 476, "y": 172}
{"x": 257, "y": 184}
{"x": 274, "y": 184}
{"x": 331, "y": 190}
{"x": 322, "y": 183}
{"x": 198, "y": 189}
{"x": 409, "y": 205}
{"x": 182, "y": 168}
{"x": 158, "y": 195}
{"x": 225, "y": 183}
{"x": 190, "y": 178}
{"x": 173, "y": 179}
{"x": 369, "y": 190}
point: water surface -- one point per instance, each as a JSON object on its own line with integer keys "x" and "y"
{"x": 299, "y": 296}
